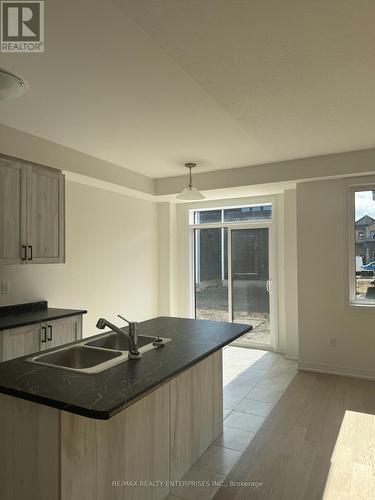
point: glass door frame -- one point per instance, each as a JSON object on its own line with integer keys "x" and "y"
{"x": 272, "y": 249}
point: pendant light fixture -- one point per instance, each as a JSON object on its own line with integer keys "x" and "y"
{"x": 190, "y": 193}
{"x": 11, "y": 85}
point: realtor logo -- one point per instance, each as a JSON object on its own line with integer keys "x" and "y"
{"x": 22, "y": 26}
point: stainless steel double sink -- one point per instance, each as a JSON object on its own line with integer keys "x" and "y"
{"x": 95, "y": 356}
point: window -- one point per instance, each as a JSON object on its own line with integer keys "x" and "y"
{"x": 362, "y": 258}
{"x": 233, "y": 215}
{"x": 208, "y": 216}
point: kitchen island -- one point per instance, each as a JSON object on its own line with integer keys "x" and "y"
{"x": 123, "y": 433}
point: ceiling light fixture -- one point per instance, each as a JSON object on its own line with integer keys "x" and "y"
{"x": 190, "y": 193}
{"x": 11, "y": 85}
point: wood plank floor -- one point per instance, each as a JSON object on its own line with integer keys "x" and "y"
{"x": 299, "y": 435}
{"x": 317, "y": 443}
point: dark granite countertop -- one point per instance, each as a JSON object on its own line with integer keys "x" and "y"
{"x": 104, "y": 394}
{"x": 33, "y": 312}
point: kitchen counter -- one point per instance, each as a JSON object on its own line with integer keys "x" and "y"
{"x": 102, "y": 395}
{"x": 149, "y": 420}
{"x": 34, "y": 312}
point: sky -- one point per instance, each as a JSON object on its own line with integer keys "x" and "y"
{"x": 364, "y": 204}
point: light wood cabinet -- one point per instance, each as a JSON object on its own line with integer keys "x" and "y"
{"x": 12, "y": 212}
{"x": 45, "y": 215}
{"x": 17, "y": 342}
{"x": 20, "y": 341}
{"x": 60, "y": 331}
{"x": 32, "y": 220}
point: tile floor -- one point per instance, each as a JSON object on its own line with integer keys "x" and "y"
{"x": 253, "y": 383}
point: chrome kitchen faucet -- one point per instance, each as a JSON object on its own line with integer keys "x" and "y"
{"x": 132, "y": 336}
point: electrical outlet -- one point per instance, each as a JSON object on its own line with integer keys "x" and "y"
{"x": 332, "y": 341}
{"x": 4, "y": 287}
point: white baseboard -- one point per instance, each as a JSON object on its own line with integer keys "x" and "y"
{"x": 257, "y": 347}
{"x": 336, "y": 370}
{"x": 291, "y": 355}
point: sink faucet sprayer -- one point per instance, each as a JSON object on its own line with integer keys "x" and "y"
{"x": 132, "y": 336}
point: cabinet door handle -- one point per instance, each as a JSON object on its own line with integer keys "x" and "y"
{"x": 44, "y": 334}
{"x": 24, "y": 252}
{"x": 31, "y": 252}
{"x": 49, "y": 338}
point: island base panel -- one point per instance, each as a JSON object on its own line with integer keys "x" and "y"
{"x": 196, "y": 412}
{"x": 49, "y": 454}
{"x": 109, "y": 459}
{"x": 29, "y": 450}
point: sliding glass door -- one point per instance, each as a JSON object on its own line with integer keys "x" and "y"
{"x": 250, "y": 300}
{"x": 232, "y": 279}
{"x": 211, "y": 274}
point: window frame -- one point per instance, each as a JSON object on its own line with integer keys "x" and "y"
{"x": 192, "y": 212}
{"x": 353, "y": 301}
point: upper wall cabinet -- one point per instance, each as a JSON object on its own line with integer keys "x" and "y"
{"x": 32, "y": 213}
{"x": 12, "y": 212}
{"x": 45, "y": 215}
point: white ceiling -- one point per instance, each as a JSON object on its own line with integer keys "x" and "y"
{"x": 151, "y": 85}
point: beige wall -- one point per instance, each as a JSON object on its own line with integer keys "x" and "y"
{"x": 111, "y": 266}
{"x": 323, "y": 285}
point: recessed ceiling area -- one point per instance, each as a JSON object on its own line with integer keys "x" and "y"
{"x": 151, "y": 85}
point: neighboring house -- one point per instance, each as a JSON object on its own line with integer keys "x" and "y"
{"x": 365, "y": 238}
